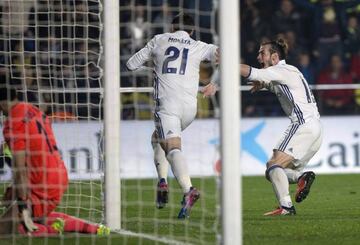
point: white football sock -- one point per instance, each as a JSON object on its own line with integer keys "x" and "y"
{"x": 179, "y": 169}
{"x": 161, "y": 163}
{"x": 292, "y": 175}
{"x": 280, "y": 185}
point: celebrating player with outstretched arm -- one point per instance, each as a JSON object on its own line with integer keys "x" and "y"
{"x": 303, "y": 137}
{"x": 39, "y": 174}
{"x": 176, "y": 58}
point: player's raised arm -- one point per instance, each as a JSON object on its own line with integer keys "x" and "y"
{"x": 208, "y": 79}
{"x": 265, "y": 75}
{"x": 270, "y": 56}
{"x": 143, "y": 55}
{"x": 211, "y": 54}
{"x": 245, "y": 70}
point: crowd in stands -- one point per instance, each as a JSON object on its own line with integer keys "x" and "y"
{"x": 56, "y": 45}
{"x": 324, "y": 43}
{"x": 49, "y": 49}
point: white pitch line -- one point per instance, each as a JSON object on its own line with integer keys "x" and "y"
{"x": 150, "y": 237}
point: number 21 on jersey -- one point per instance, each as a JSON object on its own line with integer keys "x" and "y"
{"x": 173, "y": 54}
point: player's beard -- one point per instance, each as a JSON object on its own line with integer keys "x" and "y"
{"x": 268, "y": 63}
{"x": 265, "y": 64}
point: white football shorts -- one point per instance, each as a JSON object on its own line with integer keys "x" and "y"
{"x": 171, "y": 119}
{"x": 301, "y": 141}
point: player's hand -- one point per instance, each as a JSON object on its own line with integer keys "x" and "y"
{"x": 25, "y": 215}
{"x": 27, "y": 221}
{"x": 209, "y": 90}
{"x": 256, "y": 86}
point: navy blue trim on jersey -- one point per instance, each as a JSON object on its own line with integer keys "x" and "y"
{"x": 267, "y": 172}
{"x": 155, "y": 85}
{"x": 249, "y": 73}
{"x": 297, "y": 110}
{"x": 306, "y": 91}
{"x": 158, "y": 126}
{"x": 288, "y": 137}
{"x": 156, "y": 92}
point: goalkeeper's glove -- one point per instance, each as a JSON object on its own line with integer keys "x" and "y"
{"x": 25, "y": 216}
{"x": 6, "y": 150}
{"x": 5, "y": 156}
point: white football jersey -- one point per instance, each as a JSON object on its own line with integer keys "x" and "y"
{"x": 291, "y": 88}
{"x": 176, "y": 58}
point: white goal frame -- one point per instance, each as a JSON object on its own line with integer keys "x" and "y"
{"x": 230, "y": 123}
{"x": 112, "y": 113}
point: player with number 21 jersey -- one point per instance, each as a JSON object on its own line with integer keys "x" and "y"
{"x": 176, "y": 58}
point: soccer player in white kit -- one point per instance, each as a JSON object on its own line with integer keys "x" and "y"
{"x": 176, "y": 59}
{"x": 303, "y": 137}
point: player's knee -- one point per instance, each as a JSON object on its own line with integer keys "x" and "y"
{"x": 267, "y": 172}
{"x": 271, "y": 165}
{"x": 172, "y": 143}
{"x": 172, "y": 149}
{"x": 272, "y": 162}
{"x": 153, "y": 139}
{"x": 172, "y": 154}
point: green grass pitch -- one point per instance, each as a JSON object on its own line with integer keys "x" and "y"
{"x": 330, "y": 215}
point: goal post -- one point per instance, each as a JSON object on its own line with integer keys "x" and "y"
{"x": 230, "y": 123}
{"x": 112, "y": 114}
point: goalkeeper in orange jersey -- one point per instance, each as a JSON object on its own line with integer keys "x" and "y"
{"x": 39, "y": 174}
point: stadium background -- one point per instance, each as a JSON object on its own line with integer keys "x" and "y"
{"x": 323, "y": 43}
{"x": 48, "y": 54}
{"x": 52, "y": 59}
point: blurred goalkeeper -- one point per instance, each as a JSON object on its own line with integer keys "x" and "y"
{"x": 39, "y": 174}
{"x": 303, "y": 137}
{"x": 176, "y": 58}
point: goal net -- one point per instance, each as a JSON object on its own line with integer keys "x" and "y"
{"x": 50, "y": 51}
